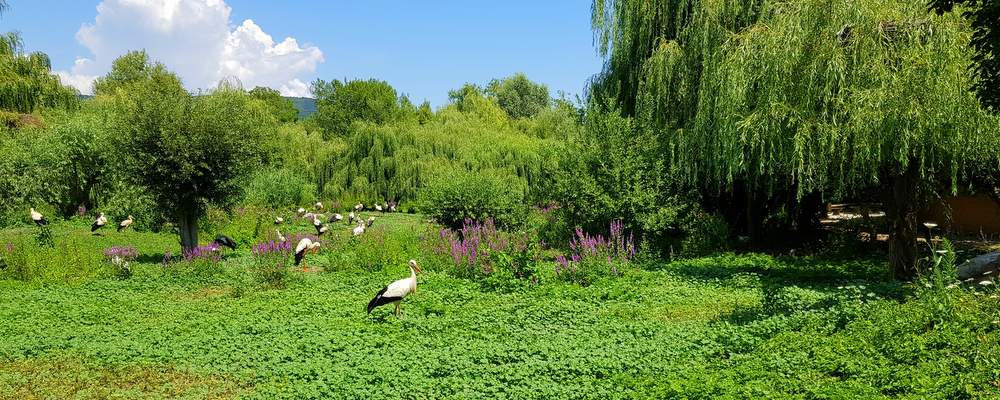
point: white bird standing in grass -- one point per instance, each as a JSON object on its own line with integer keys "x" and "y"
{"x": 99, "y": 222}
{"x": 338, "y": 217}
{"x": 305, "y": 245}
{"x": 359, "y": 207}
{"x": 358, "y": 230}
{"x": 378, "y": 207}
{"x": 127, "y": 222}
{"x": 318, "y": 205}
{"x": 350, "y": 218}
{"x": 281, "y": 238}
{"x": 300, "y": 211}
{"x": 320, "y": 228}
{"x": 396, "y": 291}
{"x": 38, "y": 218}
{"x": 278, "y": 220}
{"x": 371, "y": 220}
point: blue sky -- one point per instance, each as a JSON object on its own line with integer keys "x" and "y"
{"x": 423, "y": 50}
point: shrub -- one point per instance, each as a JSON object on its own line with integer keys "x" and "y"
{"x": 704, "y": 234}
{"x": 277, "y": 188}
{"x": 594, "y": 256}
{"x": 121, "y": 258}
{"x": 456, "y": 196}
{"x": 500, "y": 260}
{"x": 270, "y": 263}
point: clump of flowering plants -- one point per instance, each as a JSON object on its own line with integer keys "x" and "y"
{"x": 210, "y": 253}
{"x": 121, "y": 258}
{"x": 479, "y": 249}
{"x": 270, "y": 265}
{"x": 592, "y": 255}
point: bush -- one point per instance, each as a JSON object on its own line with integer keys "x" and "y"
{"x": 277, "y": 188}
{"x": 593, "y": 256}
{"x": 704, "y": 234}
{"x": 454, "y": 197}
{"x": 270, "y": 266}
{"x": 498, "y": 260}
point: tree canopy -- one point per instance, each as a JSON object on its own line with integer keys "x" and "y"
{"x": 187, "y": 151}
{"x": 518, "y": 96}
{"x": 283, "y": 109}
{"x": 985, "y": 18}
{"x": 339, "y": 104}
{"x": 808, "y": 95}
{"x": 26, "y": 79}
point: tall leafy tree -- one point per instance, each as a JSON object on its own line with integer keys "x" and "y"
{"x": 186, "y": 151}
{"x": 519, "y": 96}
{"x": 282, "y": 108}
{"x": 985, "y": 18}
{"x": 340, "y": 104}
{"x": 806, "y": 95}
{"x": 26, "y": 79}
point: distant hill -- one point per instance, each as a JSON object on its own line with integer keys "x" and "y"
{"x": 305, "y": 105}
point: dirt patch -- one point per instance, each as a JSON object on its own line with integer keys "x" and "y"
{"x": 71, "y": 377}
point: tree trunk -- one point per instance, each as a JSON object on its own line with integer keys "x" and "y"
{"x": 901, "y": 208}
{"x": 755, "y": 220}
{"x": 188, "y": 223}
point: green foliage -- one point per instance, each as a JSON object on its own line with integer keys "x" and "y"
{"x": 187, "y": 152}
{"x": 277, "y": 188}
{"x": 748, "y": 326}
{"x": 704, "y": 234}
{"x": 454, "y": 196}
{"x": 518, "y": 96}
{"x": 281, "y": 108}
{"x": 984, "y": 16}
{"x": 26, "y": 80}
{"x": 340, "y": 104}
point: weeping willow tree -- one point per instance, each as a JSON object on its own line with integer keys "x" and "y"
{"x": 26, "y": 80}
{"x": 807, "y": 95}
{"x": 392, "y": 162}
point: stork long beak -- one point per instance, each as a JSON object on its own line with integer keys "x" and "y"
{"x": 417, "y": 268}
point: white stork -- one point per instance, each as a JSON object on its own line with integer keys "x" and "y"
{"x": 318, "y": 205}
{"x": 38, "y": 218}
{"x": 300, "y": 211}
{"x": 318, "y": 224}
{"x": 127, "y": 222}
{"x": 378, "y": 207}
{"x": 359, "y": 207}
{"x": 350, "y": 218}
{"x": 338, "y": 217}
{"x": 279, "y": 220}
{"x": 371, "y": 220}
{"x": 281, "y": 238}
{"x": 305, "y": 245}
{"x": 358, "y": 230}
{"x": 99, "y": 222}
{"x": 396, "y": 291}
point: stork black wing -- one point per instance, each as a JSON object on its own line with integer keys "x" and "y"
{"x": 380, "y": 300}
{"x": 94, "y": 226}
{"x": 298, "y": 256}
{"x": 224, "y": 240}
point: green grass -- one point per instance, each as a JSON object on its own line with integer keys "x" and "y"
{"x": 721, "y": 327}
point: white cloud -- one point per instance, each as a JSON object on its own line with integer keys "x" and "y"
{"x": 194, "y": 39}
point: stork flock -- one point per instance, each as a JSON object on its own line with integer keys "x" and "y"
{"x": 392, "y": 293}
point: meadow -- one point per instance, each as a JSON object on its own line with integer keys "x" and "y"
{"x": 669, "y": 234}
{"x": 727, "y": 326}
